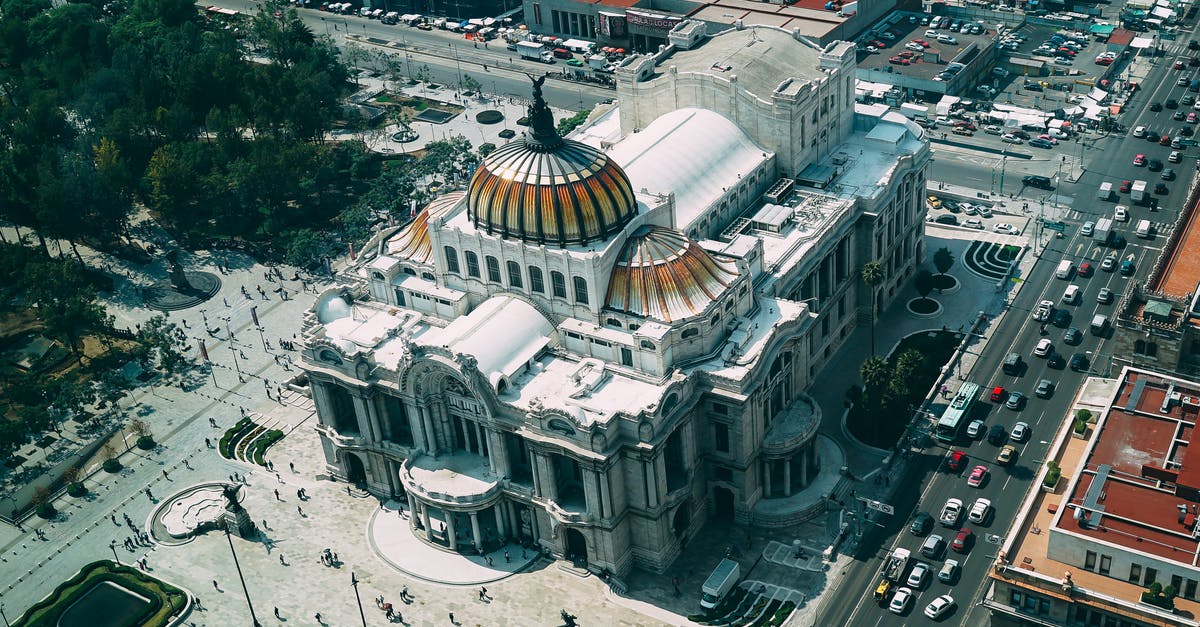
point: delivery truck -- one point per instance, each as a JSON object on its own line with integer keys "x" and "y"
{"x": 719, "y": 583}
{"x": 534, "y": 51}
{"x": 1137, "y": 193}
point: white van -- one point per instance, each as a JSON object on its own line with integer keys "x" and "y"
{"x": 1065, "y": 269}
{"x": 1105, "y": 191}
{"x": 1071, "y": 295}
{"x": 1143, "y": 228}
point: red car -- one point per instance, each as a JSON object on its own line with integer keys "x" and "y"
{"x": 899, "y": 61}
{"x": 1085, "y": 269}
{"x": 879, "y": 44}
{"x": 970, "y": 126}
{"x": 956, "y": 461}
{"x": 978, "y": 476}
{"x": 1165, "y": 140}
{"x": 998, "y": 393}
{"x": 1139, "y": 159}
{"x": 1178, "y": 65}
{"x": 1125, "y": 185}
{"x": 963, "y": 541}
{"x": 921, "y": 42}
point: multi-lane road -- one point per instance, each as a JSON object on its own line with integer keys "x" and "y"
{"x": 1108, "y": 159}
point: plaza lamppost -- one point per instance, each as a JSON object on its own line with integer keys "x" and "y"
{"x": 358, "y": 599}
{"x": 242, "y": 579}
{"x": 457, "y": 64}
{"x": 236, "y": 365}
{"x": 4, "y": 616}
{"x": 113, "y": 546}
{"x": 262, "y": 336}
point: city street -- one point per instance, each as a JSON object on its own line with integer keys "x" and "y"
{"x": 1109, "y": 159}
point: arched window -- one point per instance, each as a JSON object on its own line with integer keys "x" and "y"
{"x": 378, "y": 276}
{"x": 472, "y": 264}
{"x": 410, "y": 272}
{"x": 715, "y": 319}
{"x": 692, "y": 332}
{"x": 493, "y": 269}
{"x": 581, "y": 292}
{"x": 634, "y": 327}
{"x": 514, "y": 274}
{"x": 535, "y": 280}
{"x": 558, "y": 283}
{"x": 647, "y": 344}
{"x": 613, "y": 322}
{"x": 428, "y": 276}
{"x": 451, "y": 259}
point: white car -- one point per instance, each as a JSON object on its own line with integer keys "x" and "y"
{"x": 973, "y": 223}
{"x": 1009, "y": 138}
{"x": 1121, "y": 213}
{"x": 939, "y": 606}
{"x": 1139, "y": 131}
{"x": 948, "y": 572}
{"x": 916, "y": 578}
{"x": 1087, "y": 229}
{"x": 1042, "y": 313}
{"x": 992, "y": 129}
{"x": 902, "y": 599}
{"x": 932, "y": 33}
{"x": 914, "y": 47}
{"x": 1020, "y": 432}
{"x": 951, "y": 512}
{"x": 1043, "y": 348}
{"x": 1005, "y": 227}
{"x": 974, "y": 429}
{"x": 1175, "y": 157}
{"x": 979, "y": 510}
{"x": 947, "y": 39}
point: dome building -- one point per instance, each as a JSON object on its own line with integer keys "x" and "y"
{"x": 605, "y": 339}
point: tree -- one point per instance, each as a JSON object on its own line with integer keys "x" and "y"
{"x": 923, "y": 281}
{"x": 872, "y": 276}
{"x": 943, "y": 259}
{"x": 469, "y": 84}
{"x": 65, "y": 302}
{"x": 904, "y": 371}
{"x": 875, "y": 373}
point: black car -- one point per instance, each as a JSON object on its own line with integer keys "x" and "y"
{"x": 1060, "y": 318}
{"x": 1055, "y": 361}
{"x": 1072, "y": 337}
{"x": 1035, "y": 180}
{"x": 1194, "y": 45}
{"x": 1168, "y": 174}
{"x": 1179, "y": 116}
{"x": 1079, "y": 362}
{"x": 1185, "y": 131}
{"x": 1172, "y": 104}
{"x": 1156, "y": 106}
{"x": 1160, "y": 188}
{"x": 921, "y": 524}
{"x": 997, "y": 435}
{"x": 946, "y": 218}
{"x": 1155, "y": 165}
{"x": 1040, "y": 143}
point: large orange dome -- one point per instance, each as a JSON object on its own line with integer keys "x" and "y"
{"x": 544, "y": 189}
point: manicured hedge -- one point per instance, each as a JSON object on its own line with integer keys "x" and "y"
{"x": 165, "y": 600}
{"x": 490, "y": 116}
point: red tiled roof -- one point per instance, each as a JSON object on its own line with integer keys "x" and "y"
{"x": 1120, "y": 37}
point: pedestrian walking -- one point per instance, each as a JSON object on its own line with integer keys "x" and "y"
{"x": 452, "y": 621}
{"x": 277, "y": 497}
{"x": 277, "y": 477}
{"x": 506, "y": 557}
{"x": 114, "y": 519}
{"x": 281, "y": 560}
{"x": 489, "y": 560}
{"x": 482, "y": 593}
{"x": 187, "y": 465}
{"x": 265, "y": 524}
{"x": 319, "y": 618}
{"x": 335, "y": 559}
{"x": 207, "y": 443}
{"x": 299, "y": 511}
{"x": 165, "y": 475}
{"x": 216, "y": 586}
{"x": 277, "y": 613}
{"x": 404, "y": 593}
{"x": 292, "y": 465}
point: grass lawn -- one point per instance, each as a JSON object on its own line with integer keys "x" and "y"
{"x": 936, "y": 347}
{"x": 106, "y": 605}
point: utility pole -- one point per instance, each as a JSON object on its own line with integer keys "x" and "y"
{"x": 358, "y": 599}
{"x": 245, "y": 590}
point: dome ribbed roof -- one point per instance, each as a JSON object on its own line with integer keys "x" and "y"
{"x": 412, "y": 242}
{"x": 544, "y": 189}
{"x": 663, "y": 275}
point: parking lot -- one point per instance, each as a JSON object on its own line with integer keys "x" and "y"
{"x": 926, "y": 64}
{"x": 1025, "y": 87}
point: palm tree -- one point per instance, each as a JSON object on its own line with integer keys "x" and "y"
{"x": 876, "y": 373}
{"x": 872, "y": 275}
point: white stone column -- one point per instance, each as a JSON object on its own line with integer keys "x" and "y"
{"x": 804, "y": 467}
{"x": 321, "y": 401}
{"x": 478, "y": 537}
{"x": 591, "y": 496}
{"x": 501, "y": 527}
{"x": 416, "y": 424}
{"x": 547, "y": 477}
{"x": 498, "y": 453}
{"x": 451, "y": 535}
{"x": 767, "y": 478}
{"x": 787, "y": 477}
{"x": 651, "y": 482}
{"x": 605, "y": 495}
{"x": 431, "y": 445}
{"x": 537, "y": 473}
{"x": 375, "y": 428}
{"x": 425, "y": 520}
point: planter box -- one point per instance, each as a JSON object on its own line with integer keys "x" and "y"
{"x": 1050, "y": 489}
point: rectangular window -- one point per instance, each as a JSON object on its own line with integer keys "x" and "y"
{"x": 1151, "y": 576}
{"x": 1089, "y": 561}
{"x": 514, "y": 274}
{"x": 1135, "y": 573}
{"x": 493, "y": 269}
{"x": 626, "y": 357}
{"x": 581, "y": 291}
{"x": 451, "y": 260}
{"x": 1177, "y": 583}
{"x": 720, "y": 410}
{"x": 1189, "y": 589}
{"x": 558, "y": 283}
{"x": 1014, "y": 598}
{"x": 1105, "y": 564}
{"x": 472, "y": 264}
{"x": 535, "y": 280}
{"x": 721, "y": 437}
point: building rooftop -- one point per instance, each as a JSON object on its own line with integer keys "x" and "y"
{"x": 924, "y": 65}
{"x": 808, "y": 16}
{"x": 1122, "y": 481}
{"x": 1179, "y": 271}
{"x": 760, "y": 58}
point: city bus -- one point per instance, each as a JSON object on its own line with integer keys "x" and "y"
{"x": 958, "y": 413}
